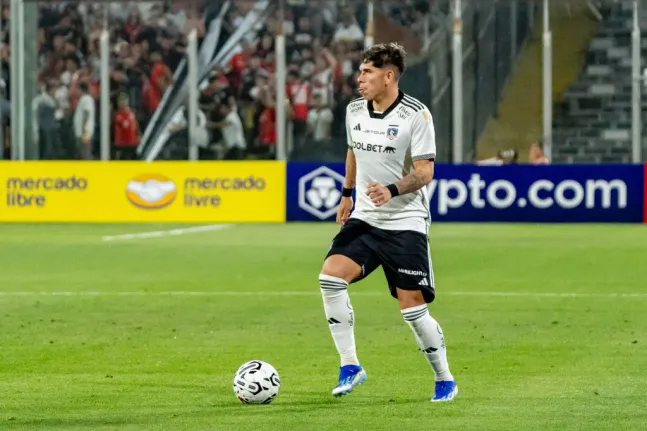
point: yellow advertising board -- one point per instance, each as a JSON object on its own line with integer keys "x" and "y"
{"x": 219, "y": 191}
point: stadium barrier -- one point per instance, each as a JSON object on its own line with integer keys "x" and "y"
{"x": 142, "y": 192}
{"x": 272, "y": 191}
{"x": 509, "y": 193}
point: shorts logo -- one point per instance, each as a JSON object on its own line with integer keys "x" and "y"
{"x": 320, "y": 192}
{"x": 392, "y": 132}
{"x": 151, "y": 191}
{"x": 412, "y": 272}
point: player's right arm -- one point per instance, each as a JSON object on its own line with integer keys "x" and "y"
{"x": 346, "y": 205}
{"x": 351, "y": 170}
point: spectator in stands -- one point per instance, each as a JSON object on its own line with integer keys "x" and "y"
{"x": 239, "y": 64}
{"x": 126, "y": 130}
{"x": 178, "y": 127}
{"x": 305, "y": 58}
{"x": 232, "y": 131}
{"x": 536, "y": 155}
{"x": 47, "y": 123}
{"x": 160, "y": 79}
{"x": 299, "y": 94}
{"x": 348, "y": 30}
{"x": 503, "y": 157}
{"x": 267, "y": 120}
{"x": 133, "y": 25}
{"x": 84, "y": 122}
{"x": 323, "y": 78}
{"x": 342, "y": 98}
{"x": 304, "y": 35}
{"x": 347, "y": 55}
{"x": 118, "y": 84}
{"x": 320, "y": 118}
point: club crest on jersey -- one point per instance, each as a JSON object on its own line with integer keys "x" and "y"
{"x": 392, "y": 132}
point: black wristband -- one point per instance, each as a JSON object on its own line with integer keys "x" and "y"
{"x": 347, "y": 193}
{"x": 393, "y": 189}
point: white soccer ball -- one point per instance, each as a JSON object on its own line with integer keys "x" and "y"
{"x": 256, "y": 382}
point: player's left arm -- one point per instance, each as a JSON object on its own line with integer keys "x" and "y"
{"x": 423, "y": 153}
{"x": 422, "y": 174}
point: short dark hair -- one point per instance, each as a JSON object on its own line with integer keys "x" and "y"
{"x": 385, "y": 54}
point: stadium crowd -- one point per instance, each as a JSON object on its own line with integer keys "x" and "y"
{"x": 237, "y": 115}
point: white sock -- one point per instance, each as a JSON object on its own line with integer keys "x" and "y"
{"x": 430, "y": 339}
{"x": 340, "y": 316}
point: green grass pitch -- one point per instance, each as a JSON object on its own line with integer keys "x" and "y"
{"x": 545, "y": 325}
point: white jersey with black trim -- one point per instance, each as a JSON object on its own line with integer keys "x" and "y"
{"x": 385, "y": 145}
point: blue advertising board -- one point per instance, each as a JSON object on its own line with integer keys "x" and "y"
{"x": 510, "y": 193}
{"x": 313, "y": 191}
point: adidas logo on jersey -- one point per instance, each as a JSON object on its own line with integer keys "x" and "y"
{"x": 358, "y": 128}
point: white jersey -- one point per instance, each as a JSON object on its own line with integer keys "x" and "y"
{"x": 385, "y": 145}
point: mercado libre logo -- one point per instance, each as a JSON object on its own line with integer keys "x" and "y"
{"x": 155, "y": 191}
{"x": 151, "y": 191}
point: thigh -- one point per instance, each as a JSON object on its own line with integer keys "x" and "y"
{"x": 353, "y": 241}
{"x": 406, "y": 259}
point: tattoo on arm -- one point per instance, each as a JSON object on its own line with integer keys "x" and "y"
{"x": 412, "y": 182}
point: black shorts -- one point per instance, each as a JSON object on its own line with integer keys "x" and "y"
{"x": 403, "y": 254}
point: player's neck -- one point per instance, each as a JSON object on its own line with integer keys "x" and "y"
{"x": 382, "y": 102}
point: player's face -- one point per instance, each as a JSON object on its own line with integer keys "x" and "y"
{"x": 371, "y": 80}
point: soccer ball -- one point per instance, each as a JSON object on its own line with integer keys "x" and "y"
{"x": 256, "y": 382}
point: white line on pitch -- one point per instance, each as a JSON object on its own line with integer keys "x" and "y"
{"x": 159, "y": 233}
{"x": 317, "y": 293}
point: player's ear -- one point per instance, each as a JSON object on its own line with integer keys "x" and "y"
{"x": 392, "y": 74}
{"x": 389, "y": 75}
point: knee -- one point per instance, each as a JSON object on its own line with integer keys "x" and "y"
{"x": 341, "y": 267}
{"x": 410, "y": 298}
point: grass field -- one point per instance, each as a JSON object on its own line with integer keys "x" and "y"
{"x": 545, "y": 325}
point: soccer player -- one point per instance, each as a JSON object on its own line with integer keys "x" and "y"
{"x": 390, "y": 162}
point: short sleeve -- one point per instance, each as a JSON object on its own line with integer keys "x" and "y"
{"x": 349, "y": 141}
{"x": 423, "y": 136}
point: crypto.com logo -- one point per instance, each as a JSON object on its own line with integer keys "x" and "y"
{"x": 320, "y": 192}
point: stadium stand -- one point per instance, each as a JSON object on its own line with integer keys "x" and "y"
{"x": 324, "y": 40}
{"x": 147, "y": 42}
{"x": 593, "y": 124}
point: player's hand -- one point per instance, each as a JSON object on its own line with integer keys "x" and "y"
{"x": 379, "y": 194}
{"x": 343, "y": 212}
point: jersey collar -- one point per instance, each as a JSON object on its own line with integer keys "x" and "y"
{"x": 382, "y": 115}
